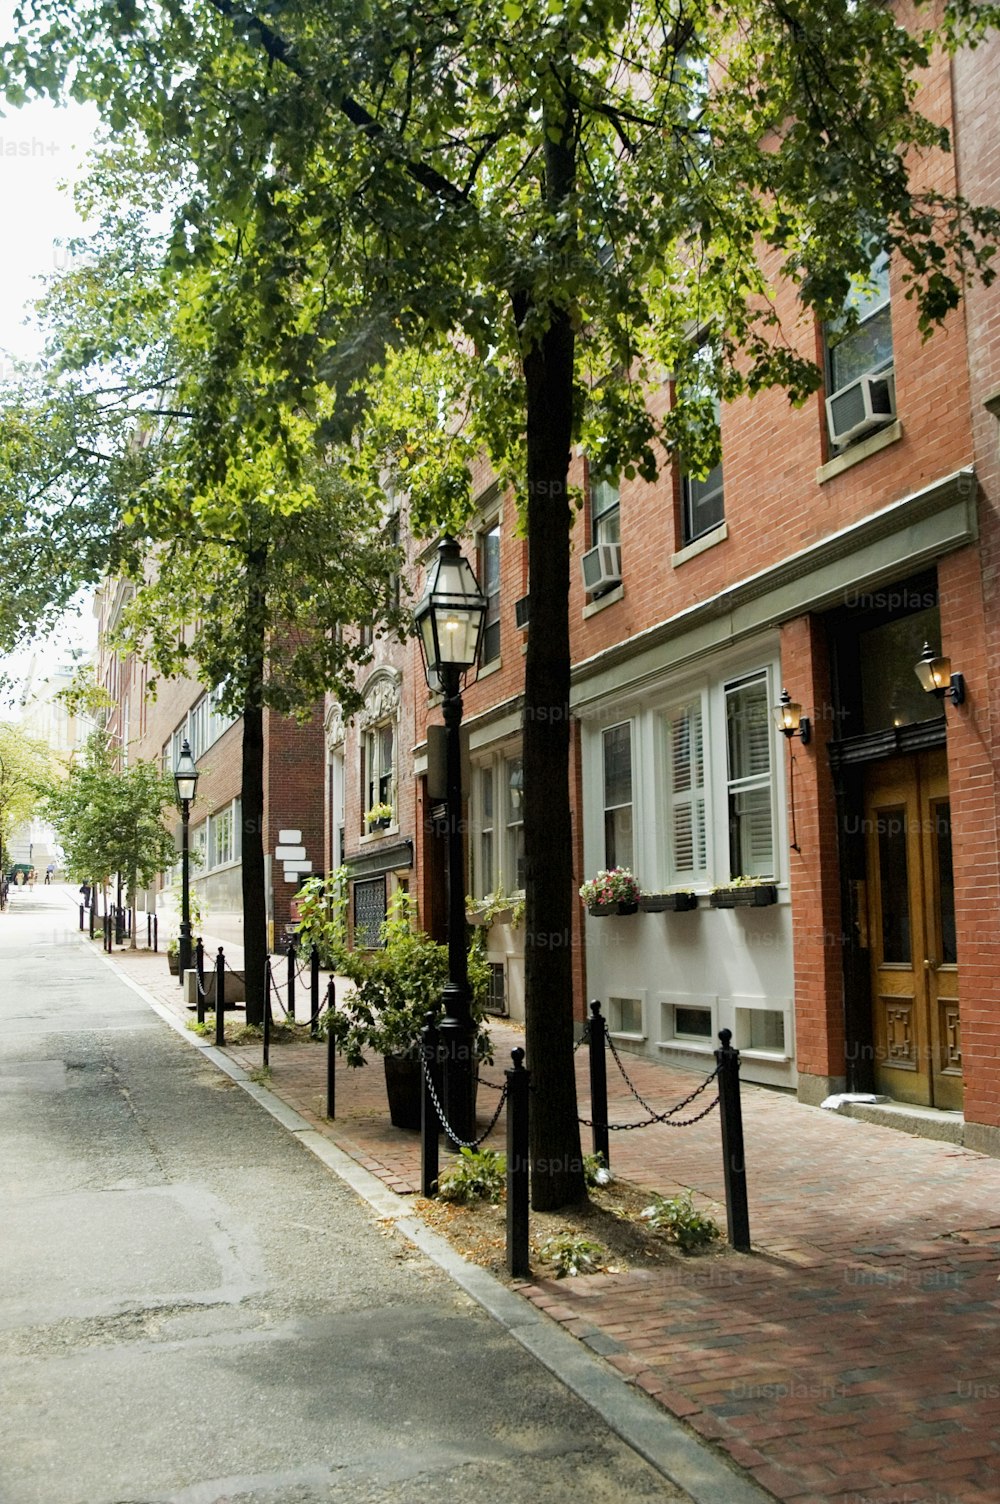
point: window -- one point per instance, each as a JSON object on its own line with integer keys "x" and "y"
{"x": 485, "y": 881}
{"x": 514, "y": 853}
{"x": 379, "y": 768}
{"x": 702, "y": 498}
{"x": 489, "y": 582}
{"x": 692, "y": 1023}
{"x": 198, "y": 722}
{"x": 617, "y": 774}
{"x": 625, "y": 1015}
{"x": 496, "y": 845}
{"x": 687, "y": 856}
{"x": 336, "y": 808}
{"x": 605, "y": 512}
{"x": 861, "y": 388}
{"x": 369, "y": 912}
{"x": 749, "y": 780}
{"x": 222, "y": 848}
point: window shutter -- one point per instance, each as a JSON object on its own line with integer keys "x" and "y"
{"x": 687, "y": 778}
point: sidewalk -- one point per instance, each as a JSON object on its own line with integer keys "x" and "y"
{"x": 852, "y": 1358}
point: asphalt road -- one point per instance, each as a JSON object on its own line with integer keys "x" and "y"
{"x": 193, "y": 1309}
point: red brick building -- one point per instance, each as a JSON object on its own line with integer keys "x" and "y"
{"x": 834, "y": 541}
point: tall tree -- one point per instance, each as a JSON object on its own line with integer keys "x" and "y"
{"x": 26, "y": 774}
{"x": 564, "y": 193}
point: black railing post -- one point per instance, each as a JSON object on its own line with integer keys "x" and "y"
{"x": 599, "y": 1085}
{"x": 93, "y": 912}
{"x": 314, "y": 992}
{"x": 518, "y": 1085}
{"x": 733, "y": 1159}
{"x": 266, "y": 1062}
{"x": 81, "y": 916}
{"x": 108, "y": 932}
{"x": 430, "y": 1122}
{"x": 220, "y": 998}
{"x": 331, "y": 1054}
{"x": 199, "y": 978}
{"x": 156, "y": 931}
{"x": 290, "y": 1005}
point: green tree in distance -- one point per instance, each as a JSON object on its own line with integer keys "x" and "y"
{"x": 560, "y": 195}
{"x": 110, "y": 819}
{"x": 27, "y": 771}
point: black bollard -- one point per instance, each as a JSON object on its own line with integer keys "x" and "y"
{"x": 266, "y": 1060}
{"x": 430, "y": 1121}
{"x": 81, "y": 916}
{"x": 93, "y": 912}
{"x": 518, "y": 1085}
{"x": 291, "y": 979}
{"x": 199, "y": 978}
{"x": 733, "y": 1161}
{"x": 331, "y": 1054}
{"x": 599, "y": 1084}
{"x": 220, "y": 998}
{"x": 314, "y": 992}
{"x": 156, "y": 931}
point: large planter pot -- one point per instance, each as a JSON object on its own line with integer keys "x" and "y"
{"x": 174, "y": 962}
{"x": 760, "y": 896}
{"x": 403, "y": 1076}
{"x": 668, "y": 903}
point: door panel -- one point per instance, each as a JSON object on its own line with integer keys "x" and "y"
{"x": 911, "y": 918}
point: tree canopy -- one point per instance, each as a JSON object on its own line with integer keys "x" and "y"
{"x": 410, "y": 232}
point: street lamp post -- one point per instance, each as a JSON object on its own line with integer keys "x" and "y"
{"x": 185, "y": 783}
{"x": 450, "y": 620}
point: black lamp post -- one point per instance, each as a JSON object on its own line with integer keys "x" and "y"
{"x": 450, "y": 620}
{"x": 185, "y": 783}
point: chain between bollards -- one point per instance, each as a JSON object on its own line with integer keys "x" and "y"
{"x": 733, "y": 1159}
{"x": 518, "y": 1181}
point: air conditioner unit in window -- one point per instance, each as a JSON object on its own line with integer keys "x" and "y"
{"x": 868, "y": 403}
{"x": 602, "y": 567}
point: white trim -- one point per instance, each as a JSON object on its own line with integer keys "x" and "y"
{"x": 610, "y": 598}
{"x": 858, "y": 452}
{"x": 707, "y": 540}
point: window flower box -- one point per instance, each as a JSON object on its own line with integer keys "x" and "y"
{"x": 379, "y": 817}
{"x": 745, "y": 896}
{"x": 667, "y": 903}
{"x": 612, "y": 892}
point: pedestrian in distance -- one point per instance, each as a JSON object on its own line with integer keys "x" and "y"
{"x": 50, "y": 869}
{"x": 19, "y": 878}
{"x": 31, "y": 879}
{"x": 85, "y": 890}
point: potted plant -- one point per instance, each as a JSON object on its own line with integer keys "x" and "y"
{"x": 499, "y": 908}
{"x": 678, "y": 902}
{"x": 394, "y": 988}
{"x": 174, "y": 956}
{"x": 744, "y": 892}
{"x": 614, "y": 891}
{"x": 379, "y": 817}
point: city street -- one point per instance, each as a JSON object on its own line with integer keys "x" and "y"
{"x": 194, "y": 1309}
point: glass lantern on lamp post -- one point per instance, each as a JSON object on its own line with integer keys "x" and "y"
{"x": 185, "y": 784}
{"x": 450, "y": 621}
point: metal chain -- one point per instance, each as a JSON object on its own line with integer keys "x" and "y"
{"x": 678, "y": 1107}
{"x": 584, "y": 1037}
{"x": 663, "y": 1118}
{"x": 461, "y": 1142}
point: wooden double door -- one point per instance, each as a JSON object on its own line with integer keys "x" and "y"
{"x": 912, "y": 938}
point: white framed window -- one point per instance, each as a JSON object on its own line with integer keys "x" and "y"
{"x": 496, "y": 842}
{"x": 625, "y": 1017}
{"x": 605, "y": 512}
{"x": 488, "y": 551}
{"x": 867, "y": 347}
{"x": 617, "y": 791}
{"x": 702, "y": 497}
{"x": 336, "y": 779}
{"x": 513, "y": 776}
{"x": 222, "y": 847}
{"x": 685, "y": 794}
{"x": 379, "y": 771}
{"x": 750, "y": 776}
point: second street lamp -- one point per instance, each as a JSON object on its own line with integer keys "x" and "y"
{"x": 450, "y": 621}
{"x": 185, "y": 784}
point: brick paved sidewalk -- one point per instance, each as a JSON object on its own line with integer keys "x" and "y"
{"x": 852, "y": 1358}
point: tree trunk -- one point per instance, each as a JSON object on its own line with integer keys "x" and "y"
{"x": 254, "y": 889}
{"x": 557, "y": 1177}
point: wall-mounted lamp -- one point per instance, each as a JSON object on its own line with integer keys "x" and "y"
{"x": 937, "y": 679}
{"x": 790, "y": 719}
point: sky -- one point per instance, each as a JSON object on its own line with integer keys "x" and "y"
{"x": 42, "y": 149}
